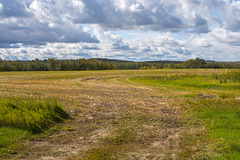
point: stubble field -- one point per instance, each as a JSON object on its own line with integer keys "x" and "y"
{"x": 133, "y": 114}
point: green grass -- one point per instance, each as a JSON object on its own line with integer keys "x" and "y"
{"x": 233, "y": 76}
{"x": 20, "y": 118}
{"x": 222, "y": 118}
{"x": 186, "y": 82}
{"x": 10, "y": 140}
{"x": 31, "y": 115}
{"x": 102, "y": 153}
{"x": 213, "y": 102}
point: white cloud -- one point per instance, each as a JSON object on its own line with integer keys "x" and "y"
{"x": 163, "y": 29}
{"x": 137, "y": 8}
{"x": 232, "y": 21}
{"x": 142, "y": 14}
{"x": 14, "y": 8}
{"x": 225, "y": 36}
{"x": 1, "y": 7}
{"x": 39, "y": 23}
{"x": 146, "y": 46}
{"x": 79, "y": 5}
{"x": 201, "y": 42}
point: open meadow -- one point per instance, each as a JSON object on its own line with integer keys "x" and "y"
{"x": 120, "y": 114}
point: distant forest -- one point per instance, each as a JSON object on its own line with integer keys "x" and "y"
{"x": 52, "y": 64}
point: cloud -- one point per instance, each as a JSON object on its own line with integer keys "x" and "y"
{"x": 1, "y": 7}
{"x": 160, "y": 29}
{"x": 157, "y": 46}
{"x": 114, "y": 41}
{"x": 232, "y": 21}
{"x": 141, "y": 14}
{"x": 201, "y": 42}
{"x": 85, "y": 55}
{"x": 146, "y": 46}
{"x": 39, "y": 33}
{"x": 87, "y": 47}
{"x": 6, "y": 45}
{"x": 13, "y": 8}
{"x": 38, "y": 24}
{"x": 225, "y": 36}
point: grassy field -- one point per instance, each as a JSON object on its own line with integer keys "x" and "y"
{"x": 130, "y": 114}
{"x": 212, "y": 101}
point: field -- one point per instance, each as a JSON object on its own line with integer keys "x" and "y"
{"x": 120, "y": 114}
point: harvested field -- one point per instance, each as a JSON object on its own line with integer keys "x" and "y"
{"x": 113, "y": 115}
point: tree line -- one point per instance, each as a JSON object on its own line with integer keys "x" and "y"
{"x": 52, "y": 64}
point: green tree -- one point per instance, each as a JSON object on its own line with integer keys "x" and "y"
{"x": 51, "y": 64}
{"x": 196, "y": 63}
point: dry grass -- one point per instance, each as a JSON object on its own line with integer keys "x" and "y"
{"x": 113, "y": 118}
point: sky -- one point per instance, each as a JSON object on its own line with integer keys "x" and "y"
{"x": 135, "y": 30}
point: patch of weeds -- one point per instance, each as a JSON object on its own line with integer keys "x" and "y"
{"x": 123, "y": 135}
{"x": 223, "y": 81}
{"x": 69, "y": 128}
{"x": 225, "y": 95}
{"x": 10, "y": 141}
{"x": 21, "y": 118}
{"x": 79, "y": 84}
{"x": 101, "y": 153}
{"x": 52, "y": 130}
{"x": 233, "y": 76}
{"x": 29, "y": 114}
{"x": 114, "y": 122}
